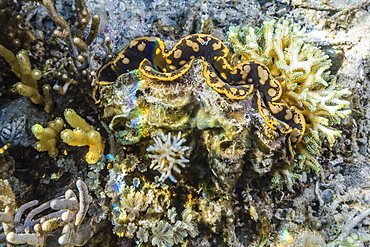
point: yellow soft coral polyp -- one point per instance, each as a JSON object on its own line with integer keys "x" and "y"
{"x": 47, "y": 136}
{"x": 83, "y": 134}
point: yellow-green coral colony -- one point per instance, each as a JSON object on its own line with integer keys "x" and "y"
{"x": 46, "y": 136}
{"x": 28, "y": 87}
{"x": 148, "y": 54}
{"x": 83, "y": 134}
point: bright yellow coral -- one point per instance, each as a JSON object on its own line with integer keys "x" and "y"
{"x": 46, "y": 136}
{"x": 21, "y": 66}
{"x": 76, "y": 121}
{"x": 28, "y": 87}
{"x": 302, "y": 69}
{"x": 83, "y": 134}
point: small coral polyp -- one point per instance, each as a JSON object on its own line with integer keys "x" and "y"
{"x": 146, "y": 213}
{"x": 167, "y": 154}
{"x": 302, "y": 70}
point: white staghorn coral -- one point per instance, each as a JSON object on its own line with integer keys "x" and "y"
{"x": 167, "y": 154}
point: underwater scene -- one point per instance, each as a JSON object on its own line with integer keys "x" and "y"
{"x": 164, "y": 123}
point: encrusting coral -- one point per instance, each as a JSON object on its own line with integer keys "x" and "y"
{"x": 47, "y": 136}
{"x": 302, "y": 70}
{"x": 83, "y": 134}
{"x": 167, "y": 154}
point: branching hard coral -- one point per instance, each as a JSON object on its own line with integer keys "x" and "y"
{"x": 302, "y": 70}
{"x": 47, "y": 136}
{"x": 71, "y": 211}
{"x": 21, "y": 67}
{"x": 76, "y": 121}
{"x": 168, "y": 154}
{"x": 83, "y": 134}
